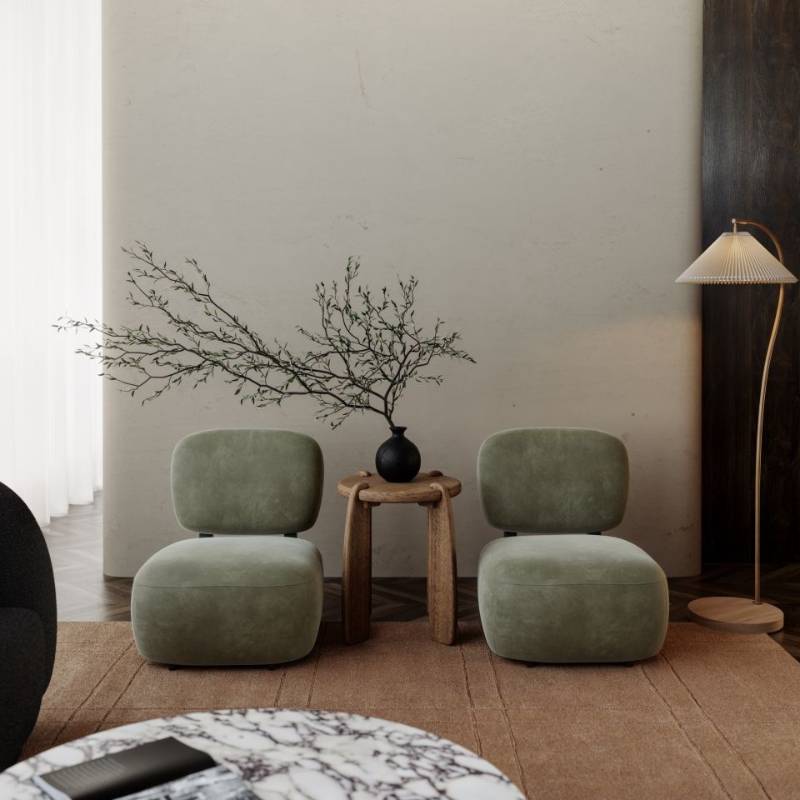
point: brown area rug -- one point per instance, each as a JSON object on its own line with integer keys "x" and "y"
{"x": 714, "y": 716}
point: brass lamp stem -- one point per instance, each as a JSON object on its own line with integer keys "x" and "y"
{"x": 761, "y": 401}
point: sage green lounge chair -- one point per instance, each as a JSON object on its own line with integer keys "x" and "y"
{"x": 566, "y": 595}
{"x": 247, "y": 592}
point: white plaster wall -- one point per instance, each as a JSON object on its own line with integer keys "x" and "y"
{"x": 536, "y": 164}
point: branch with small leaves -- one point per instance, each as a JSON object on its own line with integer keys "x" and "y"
{"x": 367, "y": 350}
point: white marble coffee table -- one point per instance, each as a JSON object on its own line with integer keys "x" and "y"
{"x": 298, "y": 754}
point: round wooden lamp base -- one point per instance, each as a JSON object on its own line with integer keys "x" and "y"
{"x": 736, "y": 614}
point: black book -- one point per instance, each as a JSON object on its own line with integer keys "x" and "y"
{"x": 125, "y": 772}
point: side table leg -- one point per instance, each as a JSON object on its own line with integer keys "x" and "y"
{"x": 442, "y": 568}
{"x": 357, "y": 568}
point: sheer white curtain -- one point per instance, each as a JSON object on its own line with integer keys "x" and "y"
{"x": 50, "y": 249}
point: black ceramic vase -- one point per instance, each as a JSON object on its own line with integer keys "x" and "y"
{"x": 397, "y": 459}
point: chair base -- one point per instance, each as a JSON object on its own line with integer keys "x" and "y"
{"x": 571, "y": 599}
{"x": 228, "y": 601}
{"x": 736, "y": 614}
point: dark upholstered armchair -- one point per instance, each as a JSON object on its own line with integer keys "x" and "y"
{"x": 27, "y": 623}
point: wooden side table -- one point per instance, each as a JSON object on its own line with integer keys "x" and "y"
{"x": 364, "y": 491}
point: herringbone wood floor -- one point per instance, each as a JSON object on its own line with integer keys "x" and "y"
{"x": 85, "y": 594}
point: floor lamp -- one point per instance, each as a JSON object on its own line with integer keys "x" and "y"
{"x": 737, "y": 258}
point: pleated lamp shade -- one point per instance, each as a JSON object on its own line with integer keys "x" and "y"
{"x": 736, "y": 258}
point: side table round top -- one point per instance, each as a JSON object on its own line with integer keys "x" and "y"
{"x": 421, "y": 490}
{"x": 318, "y": 755}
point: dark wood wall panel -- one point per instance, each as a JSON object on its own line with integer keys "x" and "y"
{"x": 751, "y": 168}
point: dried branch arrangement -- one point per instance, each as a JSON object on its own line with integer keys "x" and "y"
{"x": 367, "y": 350}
